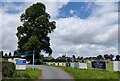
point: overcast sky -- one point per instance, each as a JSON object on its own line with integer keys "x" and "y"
{"x": 82, "y": 28}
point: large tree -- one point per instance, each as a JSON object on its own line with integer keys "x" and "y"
{"x": 34, "y": 31}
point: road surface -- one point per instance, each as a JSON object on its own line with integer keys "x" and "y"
{"x": 53, "y": 73}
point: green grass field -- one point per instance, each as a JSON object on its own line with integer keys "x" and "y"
{"x": 30, "y": 74}
{"x": 25, "y": 75}
{"x": 93, "y": 74}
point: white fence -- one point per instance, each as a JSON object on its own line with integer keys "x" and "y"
{"x": 116, "y": 65}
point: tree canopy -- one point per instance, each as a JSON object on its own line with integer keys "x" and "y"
{"x": 34, "y": 32}
{"x": 118, "y": 57}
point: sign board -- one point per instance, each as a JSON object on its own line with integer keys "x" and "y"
{"x": 21, "y": 64}
{"x": 83, "y": 66}
{"x": 60, "y": 64}
{"x": 116, "y": 65}
{"x": 64, "y": 64}
{"x": 89, "y": 62}
{"x": 73, "y": 65}
{"x": 56, "y": 64}
{"x": 49, "y": 63}
{"x": 99, "y": 64}
{"x": 20, "y": 67}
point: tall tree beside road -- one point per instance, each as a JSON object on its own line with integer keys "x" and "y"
{"x": 34, "y": 32}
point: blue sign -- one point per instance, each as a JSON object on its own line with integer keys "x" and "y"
{"x": 100, "y": 65}
{"x": 74, "y": 65}
{"x": 21, "y": 62}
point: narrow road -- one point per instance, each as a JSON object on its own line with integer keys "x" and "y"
{"x": 53, "y": 73}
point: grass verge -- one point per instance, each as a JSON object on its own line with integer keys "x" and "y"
{"x": 25, "y": 75}
{"x": 91, "y": 74}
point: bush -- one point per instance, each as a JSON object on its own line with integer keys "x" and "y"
{"x": 8, "y": 69}
{"x": 21, "y": 75}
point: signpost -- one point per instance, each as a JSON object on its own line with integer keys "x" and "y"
{"x": 25, "y": 54}
{"x": 73, "y": 65}
{"x": 49, "y": 63}
{"x": 56, "y": 64}
{"x": 60, "y": 64}
{"x": 63, "y": 64}
{"x": 83, "y": 65}
{"x": 116, "y": 65}
{"x": 21, "y": 64}
{"x": 99, "y": 64}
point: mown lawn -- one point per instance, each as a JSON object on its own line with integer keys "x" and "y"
{"x": 91, "y": 74}
{"x": 25, "y": 75}
{"x": 32, "y": 74}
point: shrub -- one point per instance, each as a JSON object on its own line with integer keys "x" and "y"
{"x": 21, "y": 76}
{"x": 8, "y": 69}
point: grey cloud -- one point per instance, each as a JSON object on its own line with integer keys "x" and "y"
{"x": 95, "y": 35}
{"x": 9, "y": 28}
{"x": 85, "y": 37}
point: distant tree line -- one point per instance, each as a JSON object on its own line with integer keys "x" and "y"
{"x": 64, "y": 58}
{"x": 101, "y": 57}
{"x": 69, "y": 59}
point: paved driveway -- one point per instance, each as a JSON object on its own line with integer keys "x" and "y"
{"x": 53, "y": 73}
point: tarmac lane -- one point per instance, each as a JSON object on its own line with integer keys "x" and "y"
{"x": 50, "y": 73}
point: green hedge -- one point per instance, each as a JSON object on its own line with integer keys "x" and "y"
{"x": 8, "y": 69}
